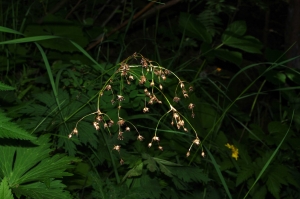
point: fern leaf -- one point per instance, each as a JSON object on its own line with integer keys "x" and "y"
{"x": 11, "y": 130}
{"x": 5, "y": 191}
{"x": 4, "y": 87}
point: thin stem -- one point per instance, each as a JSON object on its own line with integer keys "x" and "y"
{"x": 112, "y": 159}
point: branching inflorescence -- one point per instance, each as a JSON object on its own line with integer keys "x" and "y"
{"x": 127, "y": 74}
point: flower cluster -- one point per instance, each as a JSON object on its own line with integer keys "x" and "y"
{"x": 151, "y": 76}
{"x": 234, "y": 151}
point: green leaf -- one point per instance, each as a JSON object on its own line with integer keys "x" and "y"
{"x": 194, "y": 28}
{"x": 150, "y": 162}
{"x": 165, "y": 170}
{"x": 189, "y": 174}
{"x": 234, "y": 37}
{"x": 8, "y": 30}
{"x": 231, "y": 56}
{"x": 135, "y": 171}
{"x": 40, "y": 190}
{"x": 277, "y": 127}
{"x": 5, "y": 191}
{"x": 237, "y": 28}
{"x": 11, "y": 130}
{"x": 27, "y": 167}
{"x": 244, "y": 174}
{"x": 4, "y": 87}
{"x": 273, "y": 186}
{"x": 261, "y": 192}
{"x": 246, "y": 43}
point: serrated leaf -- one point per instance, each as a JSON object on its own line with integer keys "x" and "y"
{"x": 165, "y": 162}
{"x": 27, "y": 167}
{"x": 4, "y": 87}
{"x": 181, "y": 185}
{"x": 11, "y": 130}
{"x": 5, "y": 191}
{"x": 40, "y": 190}
{"x": 135, "y": 171}
{"x": 244, "y": 174}
{"x": 261, "y": 192}
{"x": 151, "y": 164}
{"x": 165, "y": 170}
{"x": 273, "y": 187}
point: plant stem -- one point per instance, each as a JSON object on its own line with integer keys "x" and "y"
{"x": 112, "y": 160}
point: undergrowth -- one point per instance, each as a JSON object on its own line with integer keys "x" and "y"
{"x": 78, "y": 122}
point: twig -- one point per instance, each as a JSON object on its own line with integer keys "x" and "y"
{"x": 77, "y": 4}
{"x": 160, "y": 7}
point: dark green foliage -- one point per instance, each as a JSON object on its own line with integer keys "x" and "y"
{"x": 183, "y": 105}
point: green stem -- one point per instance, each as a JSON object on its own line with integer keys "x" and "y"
{"x": 112, "y": 160}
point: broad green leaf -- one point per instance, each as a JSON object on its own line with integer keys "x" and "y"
{"x": 293, "y": 75}
{"x": 11, "y": 130}
{"x": 231, "y": 56}
{"x": 5, "y": 191}
{"x": 194, "y": 28}
{"x": 4, "y": 87}
{"x": 277, "y": 127}
{"x": 237, "y": 28}
{"x": 277, "y": 78}
{"x": 246, "y": 43}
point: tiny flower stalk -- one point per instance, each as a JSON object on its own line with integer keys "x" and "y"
{"x": 149, "y": 76}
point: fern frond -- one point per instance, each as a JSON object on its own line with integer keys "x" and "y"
{"x": 4, "y": 87}
{"x": 11, "y": 130}
{"x": 210, "y": 19}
